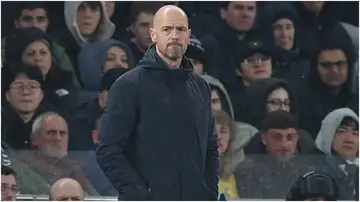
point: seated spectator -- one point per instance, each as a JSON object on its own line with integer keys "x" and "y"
{"x": 36, "y": 14}
{"x": 66, "y": 189}
{"x": 32, "y": 48}
{"x": 196, "y": 54}
{"x": 221, "y": 42}
{"x": 314, "y": 186}
{"x": 141, "y": 18}
{"x": 265, "y": 96}
{"x": 329, "y": 85}
{"x": 8, "y": 184}
{"x": 97, "y": 58}
{"x": 254, "y": 62}
{"x": 83, "y": 121}
{"x": 50, "y": 158}
{"x": 92, "y": 170}
{"x": 227, "y": 184}
{"x": 24, "y": 93}
{"x": 25, "y": 174}
{"x": 87, "y": 22}
{"x": 269, "y": 175}
{"x": 243, "y": 132}
{"x": 338, "y": 139}
{"x": 288, "y": 64}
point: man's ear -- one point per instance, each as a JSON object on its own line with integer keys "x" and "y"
{"x": 153, "y": 35}
{"x": 7, "y": 95}
{"x": 238, "y": 71}
{"x": 222, "y": 13}
{"x": 16, "y": 23}
{"x": 263, "y": 138}
{"x": 34, "y": 138}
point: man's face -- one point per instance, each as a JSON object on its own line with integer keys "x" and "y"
{"x": 52, "y": 139}
{"x": 141, "y": 29}
{"x": 257, "y": 66}
{"x": 223, "y": 132}
{"x": 37, "y": 54}
{"x": 67, "y": 193}
{"x": 33, "y": 18}
{"x": 313, "y": 6}
{"x": 116, "y": 58}
{"x": 198, "y": 66}
{"x": 240, "y": 15}
{"x": 24, "y": 95}
{"x": 171, "y": 35}
{"x": 8, "y": 188}
{"x": 284, "y": 33}
{"x": 88, "y": 18}
{"x": 280, "y": 143}
{"x": 333, "y": 67}
{"x": 346, "y": 140}
{"x": 215, "y": 100}
{"x": 278, "y": 100}
{"x": 110, "y": 8}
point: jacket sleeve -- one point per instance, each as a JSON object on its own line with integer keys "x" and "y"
{"x": 117, "y": 125}
{"x": 212, "y": 154}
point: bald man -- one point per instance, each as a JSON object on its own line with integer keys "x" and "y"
{"x": 66, "y": 189}
{"x": 157, "y": 138}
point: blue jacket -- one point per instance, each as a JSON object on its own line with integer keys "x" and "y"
{"x": 157, "y": 135}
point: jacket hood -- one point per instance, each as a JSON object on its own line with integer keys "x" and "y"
{"x": 105, "y": 28}
{"x": 221, "y": 89}
{"x": 256, "y": 96}
{"x": 91, "y": 59}
{"x": 328, "y": 128}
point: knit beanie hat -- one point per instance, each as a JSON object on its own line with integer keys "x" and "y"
{"x": 195, "y": 50}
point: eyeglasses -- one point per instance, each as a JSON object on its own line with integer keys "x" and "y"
{"x": 5, "y": 188}
{"x": 256, "y": 60}
{"x": 328, "y": 64}
{"x": 279, "y": 103}
{"x": 20, "y": 87}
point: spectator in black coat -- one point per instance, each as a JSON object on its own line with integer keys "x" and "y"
{"x": 330, "y": 80}
{"x": 24, "y": 92}
{"x": 152, "y": 112}
{"x": 32, "y": 47}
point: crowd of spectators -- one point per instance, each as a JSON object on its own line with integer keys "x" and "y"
{"x": 283, "y": 77}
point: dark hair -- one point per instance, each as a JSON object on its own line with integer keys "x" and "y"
{"x": 279, "y": 119}
{"x": 313, "y": 185}
{"x": 7, "y": 170}
{"x": 15, "y": 70}
{"x": 30, "y": 5}
{"x": 224, "y": 5}
{"x": 347, "y": 121}
{"x": 143, "y": 7}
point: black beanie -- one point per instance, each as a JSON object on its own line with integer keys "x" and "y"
{"x": 20, "y": 39}
{"x": 109, "y": 78}
{"x": 284, "y": 14}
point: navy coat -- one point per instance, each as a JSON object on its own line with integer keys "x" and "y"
{"x": 157, "y": 135}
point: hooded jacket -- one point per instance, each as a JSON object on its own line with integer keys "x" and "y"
{"x": 243, "y": 131}
{"x": 152, "y": 112}
{"x": 254, "y": 111}
{"x": 317, "y": 99}
{"x": 105, "y": 28}
{"x": 91, "y": 59}
{"x": 345, "y": 172}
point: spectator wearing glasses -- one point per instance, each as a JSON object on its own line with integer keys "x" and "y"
{"x": 263, "y": 97}
{"x": 330, "y": 80}
{"x": 24, "y": 93}
{"x": 36, "y": 15}
{"x": 254, "y": 62}
{"x": 8, "y": 184}
{"x": 32, "y": 47}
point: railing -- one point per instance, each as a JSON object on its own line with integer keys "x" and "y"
{"x": 25, "y": 197}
